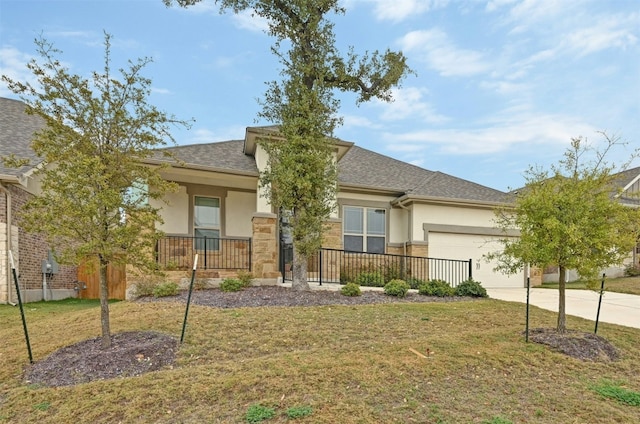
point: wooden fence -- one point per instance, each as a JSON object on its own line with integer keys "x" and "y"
{"x": 89, "y": 275}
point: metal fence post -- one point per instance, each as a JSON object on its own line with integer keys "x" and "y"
{"x": 470, "y": 269}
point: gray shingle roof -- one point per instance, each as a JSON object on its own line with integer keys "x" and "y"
{"x": 225, "y": 155}
{"x": 363, "y": 167}
{"x": 622, "y": 180}
{"x": 16, "y": 133}
{"x": 358, "y": 167}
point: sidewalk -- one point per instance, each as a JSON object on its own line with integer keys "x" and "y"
{"x": 617, "y": 308}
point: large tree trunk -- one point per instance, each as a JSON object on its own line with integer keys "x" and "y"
{"x": 104, "y": 306}
{"x": 562, "y": 316}
{"x": 299, "y": 271}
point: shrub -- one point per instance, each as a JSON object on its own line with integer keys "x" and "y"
{"x": 351, "y": 289}
{"x": 471, "y": 288}
{"x": 200, "y": 284}
{"x": 168, "y": 288}
{"x": 231, "y": 285}
{"x": 632, "y": 271}
{"x": 397, "y": 288}
{"x": 414, "y": 282}
{"x": 145, "y": 287}
{"x": 439, "y": 288}
{"x": 246, "y": 278}
{"x": 258, "y": 413}
{"x": 299, "y": 411}
{"x": 370, "y": 279}
{"x": 393, "y": 272}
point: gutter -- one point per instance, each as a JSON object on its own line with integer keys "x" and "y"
{"x": 7, "y": 194}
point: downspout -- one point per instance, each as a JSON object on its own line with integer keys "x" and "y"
{"x": 7, "y": 194}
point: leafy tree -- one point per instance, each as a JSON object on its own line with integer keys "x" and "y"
{"x": 569, "y": 217}
{"x": 301, "y": 174}
{"x": 93, "y": 205}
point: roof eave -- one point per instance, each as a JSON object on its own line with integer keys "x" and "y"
{"x": 202, "y": 168}
{"x": 448, "y": 200}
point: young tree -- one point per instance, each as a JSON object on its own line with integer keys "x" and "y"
{"x": 301, "y": 175}
{"x": 569, "y": 217}
{"x": 93, "y": 205}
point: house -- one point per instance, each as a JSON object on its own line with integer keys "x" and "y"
{"x": 384, "y": 206}
{"x": 627, "y": 186}
{"x": 30, "y": 251}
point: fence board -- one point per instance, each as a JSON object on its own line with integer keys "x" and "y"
{"x": 88, "y": 273}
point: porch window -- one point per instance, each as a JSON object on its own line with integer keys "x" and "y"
{"x": 206, "y": 223}
{"x": 364, "y": 229}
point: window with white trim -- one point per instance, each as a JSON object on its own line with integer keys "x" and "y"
{"x": 206, "y": 223}
{"x": 364, "y": 229}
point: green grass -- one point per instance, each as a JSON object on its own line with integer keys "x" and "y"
{"x": 347, "y": 364}
{"x": 628, "y": 285}
{"x": 617, "y": 392}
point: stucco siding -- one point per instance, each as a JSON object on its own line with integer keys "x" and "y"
{"x": 240, "y": 208}
{"x": 175, "y": 212}
{"x": 449, "y": 215}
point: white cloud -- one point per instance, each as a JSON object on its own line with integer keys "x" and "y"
{"x": 498, "y": 135}
{"x": 409, "y": 103}
{"x": 206, "y": 135}
{"x": 439, "y": 53}
{"x": 158, "y": 90}
{"x": 13, "y": 64}
{"x": 398, "y": 10}
{"x": 356, "y": 121}
{"x": 608, "y": 32}
{"x": 248, "y": 19}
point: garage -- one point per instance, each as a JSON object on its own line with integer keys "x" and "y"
{"x": 472, "y": 246}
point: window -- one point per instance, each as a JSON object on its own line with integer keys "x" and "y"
{"x": 206, "y": 223}
{"x": 364, "y": 229}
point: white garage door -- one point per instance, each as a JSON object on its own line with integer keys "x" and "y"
{"x": 465, "y": 247}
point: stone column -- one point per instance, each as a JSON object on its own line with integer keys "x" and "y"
{"x": 264, "y": 250}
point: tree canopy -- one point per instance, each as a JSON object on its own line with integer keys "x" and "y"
{"x": 93, "y": 203}
{"x": 569, "y": 217}
{"x": 301, "y": 175}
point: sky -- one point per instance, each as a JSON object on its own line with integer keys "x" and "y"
{"x": 499, "y": 85}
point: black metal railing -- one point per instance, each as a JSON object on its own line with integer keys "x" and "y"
{"x": 178, "y": 252}
{"x": 339, "y": 266}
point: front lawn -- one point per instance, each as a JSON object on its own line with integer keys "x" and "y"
{"x": 461, "y": 362}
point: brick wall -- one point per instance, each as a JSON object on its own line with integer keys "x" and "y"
{"x": 30, "y": 249}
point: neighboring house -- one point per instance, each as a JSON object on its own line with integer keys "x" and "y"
{"x": 17, "y": 185}
{"x": 627, "y": 185}
{"x": 383, "y": 206}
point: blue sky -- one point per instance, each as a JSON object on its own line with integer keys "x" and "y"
{"x": 500, "y": 84}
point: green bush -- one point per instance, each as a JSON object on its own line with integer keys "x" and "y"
{"x": 414, "y": 283}
{"x": 258, "y": 413}
{"x": 351, "y": 289}
{"x": 168, "y": 288}
{"x": 145, "y": 287}
{"x": 397, "y": 288}
{"x": 632, "y": 271}
{"x": 438, "y": 288}
{"x": 471, "y": 288}
{"x": 299, "y": 411}
{"x": 231, "y": 285}
{"x": 246, "y": 278}
{"x": 393, "y": 272}
{"x": 370, "y": 279}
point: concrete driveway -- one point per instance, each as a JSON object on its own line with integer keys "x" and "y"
{"x": 617, "y": 308}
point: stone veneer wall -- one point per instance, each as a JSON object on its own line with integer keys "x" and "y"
{"x": 29, "y": 250}
{"x": 264, "y": 255}
{"x": 332, "y": 236}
